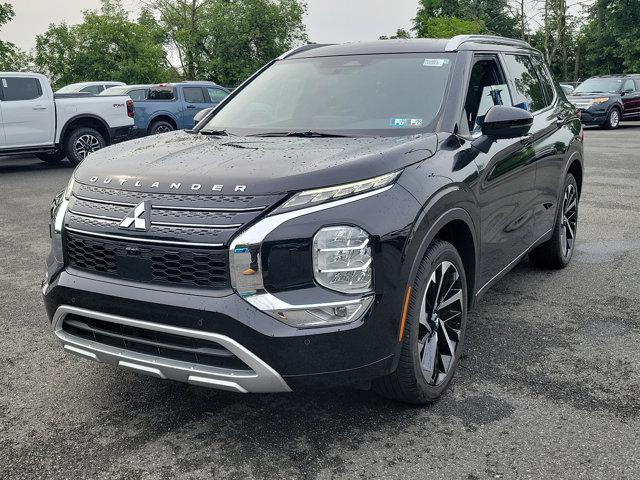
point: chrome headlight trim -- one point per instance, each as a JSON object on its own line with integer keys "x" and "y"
{"x": 246, "y": 247}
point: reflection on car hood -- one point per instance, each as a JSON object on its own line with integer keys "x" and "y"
{"x": 261, "y": 165}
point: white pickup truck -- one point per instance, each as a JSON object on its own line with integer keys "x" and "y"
{"x": 34, "y": 120}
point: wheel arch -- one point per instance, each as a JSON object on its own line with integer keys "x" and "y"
{"x": 166, "y": 117}
{"x": 456, "y": 226}
{"x": 85, "y": 120}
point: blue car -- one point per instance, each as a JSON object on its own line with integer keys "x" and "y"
{"x": 169, "y": 106}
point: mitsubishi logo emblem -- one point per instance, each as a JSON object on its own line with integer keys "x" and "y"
{"x": 138, "y": 217}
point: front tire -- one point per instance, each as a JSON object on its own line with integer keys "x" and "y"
{"x": 82, "y": 142}
{"x": 434, "y": 330}
{"x": 613, "y": 119}
{"x": 556, "y": 253}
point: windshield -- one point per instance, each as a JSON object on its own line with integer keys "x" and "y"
{"x": 394, "y": 94}
{"x": 599, "y": 85}
{"x": 74, "y": 87}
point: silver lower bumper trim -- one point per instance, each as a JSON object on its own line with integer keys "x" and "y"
{"x": 260, "y": 379}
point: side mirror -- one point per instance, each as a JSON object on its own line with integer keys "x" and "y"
{"x": 503, "y": 122}
{"x": 201, "y": 114}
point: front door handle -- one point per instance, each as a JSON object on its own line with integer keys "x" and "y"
{"x": 191, "y": 106}
{"x": 39, "y": 107}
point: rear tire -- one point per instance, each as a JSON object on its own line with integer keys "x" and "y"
{"x": 160, "y": 126}
{"x": 556, "y": 253}
{"x": 51, "y": 158}
{"x": 434, "y": 329}
{"x": 82, "y": 142}
{"x": 613, "y": 119}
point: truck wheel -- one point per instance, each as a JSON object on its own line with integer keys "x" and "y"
{"x": 434, "y": 329}
{"x": 51, "y": 158}
{"x": 82, "y": 142}
{"x": 613, "y": 119}
{"x": 160, "y": 126}
{"x": 556, "y": 253}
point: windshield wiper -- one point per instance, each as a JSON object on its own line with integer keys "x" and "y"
{"x": 304, "y": 134}
{"x": 220, "y": 133}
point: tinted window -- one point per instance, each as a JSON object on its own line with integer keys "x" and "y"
{"x": 161, "y": 93}
{"x": 193, "y": 95}
{"x": 137, "y": 95}
{"x": 600, "y": 85}
{"x": 486, "y": 89}
{"x": 528, "y": 90}
{"x": 20, "y": 88}
{"x": 386, "y": 94}
{"x": 545, "y": 79}
{"x": 628, "y": 86}
{"x": 216, "y": 95}
{"x": 95, "y": 89}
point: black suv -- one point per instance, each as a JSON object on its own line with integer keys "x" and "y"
{"x": 608, "y": 99}
{"x": 330, "y": 223}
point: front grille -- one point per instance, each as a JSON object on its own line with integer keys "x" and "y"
{"x": 156, "y": 264}
{"x": 184, "y": 244}
{"x": 152, "y": 342}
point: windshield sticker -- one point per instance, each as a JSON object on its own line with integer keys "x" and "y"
{"x": 406, "y": 122}
{"x": 435, "y": 62}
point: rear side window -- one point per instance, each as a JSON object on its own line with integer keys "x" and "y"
{"x": 20, "y": 88}
{"x": 137, "y": 95}
{"x": 161, "y": 93}
{"x": 216, "y": 95}
{"x": 94, "y": 89}
{"x": 193, "y": 95}
{"x": 545, "y": 79}
{"x": 528, "y": 94}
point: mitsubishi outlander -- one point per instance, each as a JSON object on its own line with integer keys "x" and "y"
{"x": 331, "y": 222}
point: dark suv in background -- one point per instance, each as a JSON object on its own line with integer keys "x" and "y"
{"x": 331, "y": 222}
{"x": 608, "y": 99}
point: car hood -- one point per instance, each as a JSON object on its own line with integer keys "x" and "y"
{"x": 182, "y": 162}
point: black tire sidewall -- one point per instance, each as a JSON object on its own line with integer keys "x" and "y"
{"x": 439, "y": 252}
{"x": 155, "y": 125}
{"x": 570, "y": 179}
{"x": 71, "y": 140}
{"x": 608, "y": 122}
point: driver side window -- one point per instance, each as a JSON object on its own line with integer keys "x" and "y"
{"x": 487, "y": 87}
{"x": 628, "y": 86}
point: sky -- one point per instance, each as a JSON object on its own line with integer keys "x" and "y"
{"x": 328, "y": 21}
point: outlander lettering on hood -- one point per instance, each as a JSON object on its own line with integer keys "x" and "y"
{"x": 194, "y": 187}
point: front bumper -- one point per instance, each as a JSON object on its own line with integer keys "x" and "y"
{"x": 341, "y": 354}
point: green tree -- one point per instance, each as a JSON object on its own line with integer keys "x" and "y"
{"x": 452, "y": 17}
{"x": 107, "y": 45}
{"x": 11, "y": 57}
{"x": 227, "y": 40}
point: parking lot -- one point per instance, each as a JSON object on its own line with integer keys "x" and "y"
{"x": 549, "y": 386}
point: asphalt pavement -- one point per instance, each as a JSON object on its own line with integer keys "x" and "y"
{"x": 548, "y": 387}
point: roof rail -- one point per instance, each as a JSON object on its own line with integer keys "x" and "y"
{"x": 303, "y": 48}
{"x": 458, "y": 40}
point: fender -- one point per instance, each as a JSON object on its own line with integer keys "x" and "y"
{"x": 435, "y": 214}
{"x": 82, "y": 116}
{"x": 163, "y": 113}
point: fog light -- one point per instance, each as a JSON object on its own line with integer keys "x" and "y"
{"x": 319, "y": 316}
{"x": 342, "y": 259}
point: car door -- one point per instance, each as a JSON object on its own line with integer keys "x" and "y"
{"x": 194, "y": 101}
{"x": 554, "y": 130}
{"x": 27, "y": 113}
{"x": 506, "y": 173}
{"x": 631, "y": 98}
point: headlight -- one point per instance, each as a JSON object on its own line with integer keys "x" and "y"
{"x": 321, "y": 195}
{"x": 600, "y": 100}
{"x": 342, "y": 259}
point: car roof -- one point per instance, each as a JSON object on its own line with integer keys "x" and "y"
{"x": 414, "y": 45}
